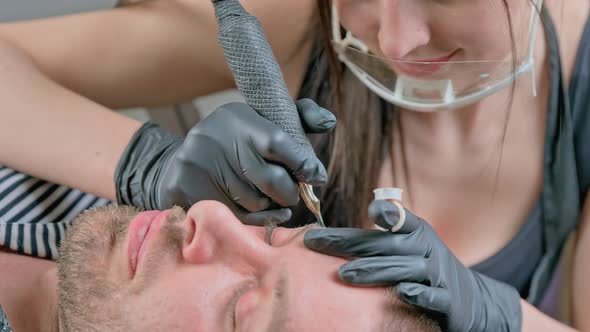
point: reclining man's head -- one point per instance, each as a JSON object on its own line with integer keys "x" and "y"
{"x": 121, "y": 270}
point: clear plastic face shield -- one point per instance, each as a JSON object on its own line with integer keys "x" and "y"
{"x": 432, "y": 85}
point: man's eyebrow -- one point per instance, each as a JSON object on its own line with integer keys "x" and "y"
{"x": 280, "y": 305}
{"x": 304, "y": 229}
{"x": 390, "y": 295}
{"x": 280, "y": 301}
{"x": 390, "y": 298}
{"x": 269, "y": 227}
{"x": 316, "y": 224}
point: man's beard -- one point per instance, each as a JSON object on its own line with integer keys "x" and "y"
{"x": 88, "y": 297}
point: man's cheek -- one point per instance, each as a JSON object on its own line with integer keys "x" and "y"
{"x": 171, "y": 310}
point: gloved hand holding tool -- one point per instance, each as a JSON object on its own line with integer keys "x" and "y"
{"x": 423, "y": 270}
{"x": 259, "y": 78}
{"x": 234, "y": 156}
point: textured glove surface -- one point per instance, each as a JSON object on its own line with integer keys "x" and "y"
{"x": 234, "y": 156}
{"x": 424, "y": 271}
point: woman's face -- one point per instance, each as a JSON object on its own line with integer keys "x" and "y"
{"x": 438, "y": 30}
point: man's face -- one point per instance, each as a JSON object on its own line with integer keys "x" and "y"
{"x": 206, "y": 271}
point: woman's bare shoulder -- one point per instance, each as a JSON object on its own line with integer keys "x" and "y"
{"x": 570, "y": 18}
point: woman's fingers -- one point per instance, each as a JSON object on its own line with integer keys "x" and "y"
{"x": 315, "y": 119}
{"x": 436, "y": 299}
{"x": 383, "y": 271}
{"x": 387, "y": 215}
{"x": 261, "y": 218}
{"x": 353, "y": 242}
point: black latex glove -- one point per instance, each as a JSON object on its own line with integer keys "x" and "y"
{"x": 424, "y": 270}
{"x": 234, "y": 156}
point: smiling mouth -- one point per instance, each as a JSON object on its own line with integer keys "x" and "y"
{"x": 423, "y": 68}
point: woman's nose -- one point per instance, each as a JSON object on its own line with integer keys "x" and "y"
{"x": 403, "y": 28}
{"x": 215, "y": 235}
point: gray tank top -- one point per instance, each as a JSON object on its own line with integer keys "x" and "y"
{"x": 516, "y": 263}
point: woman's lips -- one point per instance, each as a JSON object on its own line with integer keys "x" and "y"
{"x": 138, "y": 231}
{"x": 422, "y": 68}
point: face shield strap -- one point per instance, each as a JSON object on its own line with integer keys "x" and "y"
{"x": 403, "y": 92}
{"x": 404, "y": 85}
{"x": 536, "y": 7}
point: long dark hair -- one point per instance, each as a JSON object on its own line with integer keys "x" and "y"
{"x": 357, "y": 148}
{"x": 354, "y": 151}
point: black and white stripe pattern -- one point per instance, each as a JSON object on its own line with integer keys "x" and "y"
{"x": 34, "y": 214}
{"x": 4, "y": 326}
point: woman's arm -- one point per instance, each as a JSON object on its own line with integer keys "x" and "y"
{"x": 156, "y": 52}
{"x": 151, "y": 53}
{"x": 27, "y": 291}
{"x": 534, "y": 320}
{"x": 52, "y": 133}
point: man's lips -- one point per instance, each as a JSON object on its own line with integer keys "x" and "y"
{"x": 138, "y": 231}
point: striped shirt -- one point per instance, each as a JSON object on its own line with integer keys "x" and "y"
{"x": 4, "y": 326}
{"x": 34, "y": 214}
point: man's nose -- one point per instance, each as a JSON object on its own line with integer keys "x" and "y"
{"x": 403, "y": 28}
{"x": 215, "y": 235}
